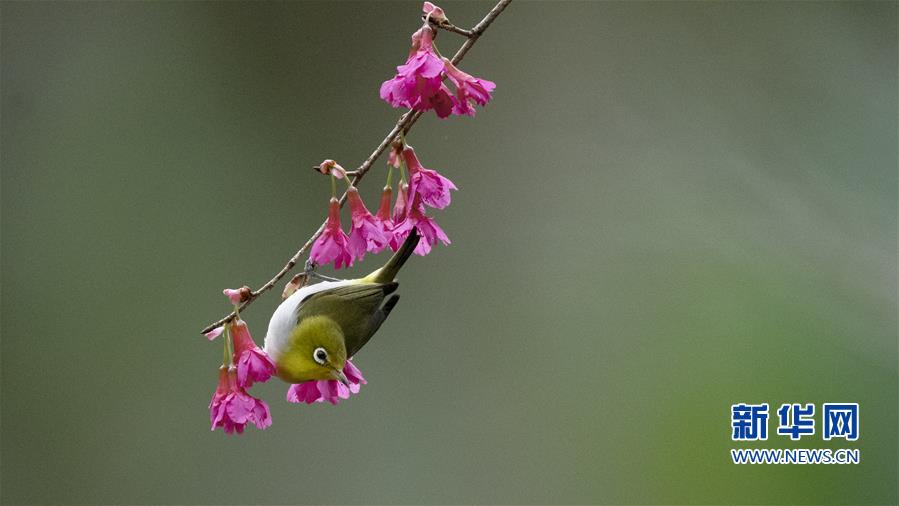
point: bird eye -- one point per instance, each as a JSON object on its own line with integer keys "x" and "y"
{"x": 320, "y": 355}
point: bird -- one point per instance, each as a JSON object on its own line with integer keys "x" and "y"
{"x": 316, "y": 329}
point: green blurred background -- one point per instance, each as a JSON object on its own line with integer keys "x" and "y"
{"x": 668, "y": 208}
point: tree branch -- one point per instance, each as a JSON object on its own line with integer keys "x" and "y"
{"x": 453, "y": 28}
{"x": 404, "y": 124}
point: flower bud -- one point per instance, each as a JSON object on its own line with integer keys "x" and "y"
{"x": 238, "y": 295}
{"x": 432, "y": 13}
{"x": 330, "y": 167}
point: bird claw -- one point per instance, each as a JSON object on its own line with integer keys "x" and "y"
{"x": 309, "y": 270}
{"x": 323, "y": 277}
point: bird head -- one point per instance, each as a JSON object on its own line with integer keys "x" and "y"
{"x": 316, "y": 350}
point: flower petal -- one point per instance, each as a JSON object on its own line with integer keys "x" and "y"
{"x": 212, "y": 334}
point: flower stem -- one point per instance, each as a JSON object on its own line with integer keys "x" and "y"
{"x": 228, "y": 359}
{"x": 333, "y": 187}
{"x": 434, "y": 44}
{"x": 403, "y": 169}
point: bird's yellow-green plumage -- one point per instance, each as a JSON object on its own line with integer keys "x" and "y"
{"x": 314, "y": 331}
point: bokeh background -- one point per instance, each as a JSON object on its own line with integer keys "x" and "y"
{"x": 668, "y": 208}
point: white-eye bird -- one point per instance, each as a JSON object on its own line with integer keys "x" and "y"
{"x": 314, "y": 331}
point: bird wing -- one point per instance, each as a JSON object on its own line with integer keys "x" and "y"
{"x": 356, "y": 308}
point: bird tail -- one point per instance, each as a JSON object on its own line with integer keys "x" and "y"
{"x": 387, "y": 273}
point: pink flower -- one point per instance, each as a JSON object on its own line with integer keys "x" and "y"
{"x": 253, "y": 365}
{"x": 428, "y": 229}
{"x": 331, "y": 167}
{"x": 433, "y": 188}
{"x": 238, "y": 295}
{"x": 433, "y": 13}
{"x": 399, "y": 207}
{"x": 384, "y": 216}
{"x": 232, "y": 407}
{"x": 332, "y": 244}
{"x": 418, "y": 84}
{"x": 327, "y": 390}
{"x": 353, "y": 376}
{"x": 212, "y": 334}
{"x": 399, "y": 215}
{"x": 419, "y": 79}
{"x": 468, "y": 89}
{"x": 442, "y": 102}
{"x": 232, "y": 294}
{"x": 365, "y": 232}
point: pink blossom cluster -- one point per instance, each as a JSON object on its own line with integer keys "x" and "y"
{"x": 232, "y": 407}
{"x": 419, "y": 84}
{"x": 371, "y": 233}
{"x": 327, "y": 390}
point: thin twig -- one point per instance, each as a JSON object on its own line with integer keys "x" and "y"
{"x": 446, "y": 25}
{"x": 404, "y": 124}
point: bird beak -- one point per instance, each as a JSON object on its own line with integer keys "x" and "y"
{"x": 341, "y": 377}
